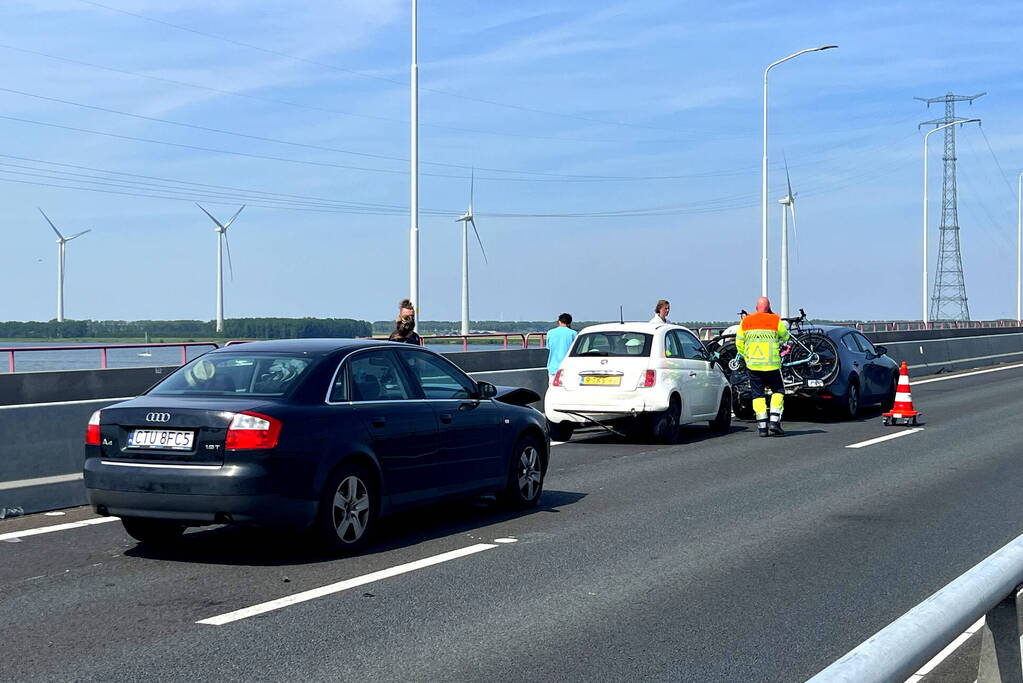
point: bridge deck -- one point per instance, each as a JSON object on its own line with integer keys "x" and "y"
{"x": 724, "y": 558}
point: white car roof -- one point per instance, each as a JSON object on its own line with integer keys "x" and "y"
{"x": 645, "y": 328}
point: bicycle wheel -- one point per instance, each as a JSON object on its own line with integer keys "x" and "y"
{"x": 726, "y": 354}
{"x": 814, "y": 357}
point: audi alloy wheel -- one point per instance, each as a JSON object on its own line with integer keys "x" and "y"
{"x": 348, "y": 509}
{"x": 525, "y": 480}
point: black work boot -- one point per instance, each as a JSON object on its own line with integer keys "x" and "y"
{"x": 776, "y": 425}
{"x": 762, "y": 428}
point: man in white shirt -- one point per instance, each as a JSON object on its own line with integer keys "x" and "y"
{"x": 661, "y": 311}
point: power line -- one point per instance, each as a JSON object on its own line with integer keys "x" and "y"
{"x": 266, "y": 157}
{"x": 262, "y": 138}
{"x": 1001, "y": 170}
{"x": 281, "y": 201}
{"x": 312, "y": 107}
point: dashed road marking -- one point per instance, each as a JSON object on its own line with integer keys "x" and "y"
{"x": 889, "y": 437}
{"x": 967, "y": 374}
{"x": 340, "y": 586}
{"x": 14, "y": 535}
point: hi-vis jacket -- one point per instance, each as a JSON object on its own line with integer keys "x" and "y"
{"x": 758, "y": 340}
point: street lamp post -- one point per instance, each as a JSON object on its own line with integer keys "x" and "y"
{"x": 763, "y": 170}
{"x": 925, "y": 317}
{"x": 414, "y": 169}
{"x": 1019, "y": 245}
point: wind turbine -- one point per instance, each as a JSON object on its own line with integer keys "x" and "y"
{"x": 222, "y": 242}
{"x": 788, "y": 202}
{"x": 466, "y": 219}
{"x": 61, "y": 252}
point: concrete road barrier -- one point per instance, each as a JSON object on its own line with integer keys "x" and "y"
{"x": 933, "y": 356}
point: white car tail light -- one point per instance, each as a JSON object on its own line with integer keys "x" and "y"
{"x": 647, "y": 379}
{"x": 556, "y": 382}
{"x": 250, "y": 431}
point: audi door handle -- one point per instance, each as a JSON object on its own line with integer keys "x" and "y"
{"x": 446, "y": 418}
{"x": 692, "y": 374}
{"x": 379, "y": 421}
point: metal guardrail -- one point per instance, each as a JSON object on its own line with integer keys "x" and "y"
{"x": 706, "y": 333}
{"x": 526, "y": 337}
{"x": 10, "y": 351}
{"x": 899, "y": 650}
{"x": 914, "y": 325}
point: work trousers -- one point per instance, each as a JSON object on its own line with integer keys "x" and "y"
{"x": 759, "y": 380}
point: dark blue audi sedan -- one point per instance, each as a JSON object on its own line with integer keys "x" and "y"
{"x": 319, "y": 434}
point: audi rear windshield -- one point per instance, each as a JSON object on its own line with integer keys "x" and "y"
{"x": 235, "y": 374}
{"x": 613, "y": 344}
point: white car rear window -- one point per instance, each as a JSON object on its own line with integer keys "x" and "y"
{"x": 613, "y": 344}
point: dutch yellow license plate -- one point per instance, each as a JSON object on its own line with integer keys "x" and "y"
{"x": 601, "y": 380}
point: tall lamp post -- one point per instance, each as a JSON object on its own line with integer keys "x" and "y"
{"x": 763, "y": 173}
{"x": 1019, "y": 245}
{"x": 414, "y": 168}
{"x": 935, "y": 130}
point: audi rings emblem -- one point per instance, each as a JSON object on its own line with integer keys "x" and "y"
{"x": 157, "y": 417}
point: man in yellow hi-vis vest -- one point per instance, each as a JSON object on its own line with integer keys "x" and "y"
{"x": 758, "y": 341}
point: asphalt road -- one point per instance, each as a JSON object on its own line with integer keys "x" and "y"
{"x": 722, "y": 558}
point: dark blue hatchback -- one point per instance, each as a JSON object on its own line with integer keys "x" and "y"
{"x": 320, "y": 434}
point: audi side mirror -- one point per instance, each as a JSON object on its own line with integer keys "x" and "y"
{"x": 487, "y": 390}
{"x": 881, "y": 350}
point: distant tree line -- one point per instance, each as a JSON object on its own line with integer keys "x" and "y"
{"x": 234, "y": 328}
{"x": 475, "y": 326}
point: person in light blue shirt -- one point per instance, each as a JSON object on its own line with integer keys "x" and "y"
{"x": 559, "y": 341}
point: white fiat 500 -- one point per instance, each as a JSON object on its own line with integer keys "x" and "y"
{"x": 644, "y": 377}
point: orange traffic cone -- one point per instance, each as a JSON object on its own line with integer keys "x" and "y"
{"x": 903, "y": 408}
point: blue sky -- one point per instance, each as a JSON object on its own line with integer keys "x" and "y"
{"x": 645, "y": 111}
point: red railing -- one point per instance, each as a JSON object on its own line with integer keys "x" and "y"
{"x": 102, "y": 348}
{"x": 525, "y": 338}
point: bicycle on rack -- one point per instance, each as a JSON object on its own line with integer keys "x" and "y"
{"x": 810, "y": 361}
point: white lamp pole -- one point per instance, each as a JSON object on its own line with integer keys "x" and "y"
{"x": 924, "y": 316}
{"x": 1019, "y": 245}
{"x": 763, "y": 170}
{"x": 414, "y": 164}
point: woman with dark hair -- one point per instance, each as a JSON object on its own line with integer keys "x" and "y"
{"x": 405, "y": 325}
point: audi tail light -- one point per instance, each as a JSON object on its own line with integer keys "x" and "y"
{"x": 92, "y": 430}
{"x": 557, "y": 379}
{"x": 250, "y": 431}
{"x": 648, "y": 379}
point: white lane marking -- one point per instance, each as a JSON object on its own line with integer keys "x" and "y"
{"x": 12, "y": 535}
{"x": 66, "y": 403}
{"x": 584, "y": 437}
{"x": 39, "y": 481}
{"x": 506, "y": 540}
{"x": 968, "y": 374}
{"x": 949, "y": 649}
{"x": 889, "y": 437}
{"x": 55, "y": 513}
{"x": 340, "y": 586}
